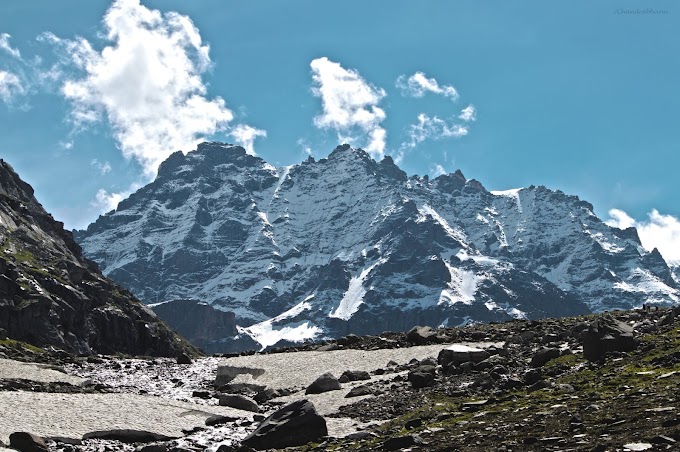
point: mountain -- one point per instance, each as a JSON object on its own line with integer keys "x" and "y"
{"x": 346, "y": 244}
{"x": 51, "y": 295}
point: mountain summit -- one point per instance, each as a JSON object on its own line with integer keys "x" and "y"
{"x": 346, "y": 244}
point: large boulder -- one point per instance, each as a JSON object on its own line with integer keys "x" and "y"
{"x": 544, "y": 355}
{"x": 293, "y": 425}
{"x": 421, "y": 376}
{"x": 605, "y": 335}
{"x": 458, "y": 354}
{"x": 420, "y": 335}
{"x": 27, "y": 442}
{"x": 239, "y": 402}
{"x": 326, "y": 382}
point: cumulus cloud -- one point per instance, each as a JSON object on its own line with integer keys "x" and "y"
{"x": 657, "y": 231}
{"x": 146, "y": 83}
{"x": 438, "y": 170}
{"x": 10, "y": 86}
{"x": 5, "y": 46}
{"x": 102, "y": 168}
{"x": 245, "y": 135}
{"x": 105, "y": 201}
{"x": 418, "y": 84}
{"x": 350, "y": 105}
{"x": 468, "y": 113}
{"x": 434, "y": 128}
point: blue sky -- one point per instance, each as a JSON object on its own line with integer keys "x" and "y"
{"x": 580, "y": 96}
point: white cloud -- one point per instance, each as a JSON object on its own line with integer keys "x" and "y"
{"x": 418, "y": 84}
{"x": 105, "y": 201}
{"x": 306, "y": 148}
{"x": 657, "y": 231}
{"x": 245, "y": 135}
{"x": 468, "y": 113}
{"x": 4, "y": 45}
{"x": 146, "y": 83}
{"x": 350, "y": 104}
{"x": 103, "y": 168}
{"x": 438, "y": 170}
{"x": 10, "y": 86}
{"x": 432, "y": 128}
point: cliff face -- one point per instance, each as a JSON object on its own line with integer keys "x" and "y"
{"x": 346, "y": 244}
{"x": 51, "y": 295}
{"x": 200, "y": 323}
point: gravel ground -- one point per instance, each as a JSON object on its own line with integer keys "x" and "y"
{"x": 10, "y": 369}
{"x": 73, "y": 415}
{"x": 285, "y": 370}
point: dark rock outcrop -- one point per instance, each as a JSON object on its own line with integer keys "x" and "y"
{"x": 605, "y": 335}
{"x": 200, "y": 323}
{"x": 127, "y": 436}
{"x": 51, "y": 295}
{"x": 293, "y": 425}
{"x": 27, "y": 442}
{"x": 326, "y": 382}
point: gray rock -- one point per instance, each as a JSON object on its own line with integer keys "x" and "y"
{"x": 354, "y": 375}
{"x": 239, "y": 402}
{"x": 543, "y": 356}
{"x": 421, "y": 335}
{"x": 326, "y": 382}
{"x": 402, "y": 442}
{"x": 421, "y": 376}
{"x": 293, "y": 425}
{"x": 359, "y": 391}
{"x": 183, "y": 358}
{"x": 606, "y": 334}
{"x": 458, "y": 355}
{"x": 27, "y": 442}
{"x": 127, "y": 436}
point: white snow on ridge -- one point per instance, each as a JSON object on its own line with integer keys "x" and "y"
{"x": 513, "y": 193}
{"x": 265, "y": 334}
{"x": 454, "y": 233}
{"x": 461, "y": 288}
{"x": 354, "y": 296}
{"x": 479, "y": 259}
{"x": 604, "y": 243}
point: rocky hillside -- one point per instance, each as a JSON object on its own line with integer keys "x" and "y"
{"x": 347, "y": 244}
{"x": 51, "y": 295}
{"x": 604, "y": 382}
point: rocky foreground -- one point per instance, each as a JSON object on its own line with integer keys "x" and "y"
{"x": 597, "y": 383}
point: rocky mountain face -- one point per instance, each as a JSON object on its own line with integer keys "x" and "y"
{"x": 200, "y": 323}
{"x": 346, "y": 244}
{"x": 51, "y": 295}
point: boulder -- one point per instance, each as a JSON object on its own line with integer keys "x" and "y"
{"x": 458, "y": 354}
{"x": 293, "y": 425}
{"x": 354, "y": 375}
{"x": 127, "y": 436}
{"x": 183, "y": 358}
{"x": 218, "y": 419}
{"x": 606, "y": 334}
{"x": 421, "y": 376}
{"x": 544, "y": 355}
{"x": 239, "y": 402}
{"x": 27, "y": 442}
{"x": 359, "y": 391}
{"x": 326, "y": 382}
{"x": 420, "y": 335}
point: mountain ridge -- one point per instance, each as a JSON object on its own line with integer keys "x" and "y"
{"x": 346, "y": 244}
{"x": 51, "y": 295}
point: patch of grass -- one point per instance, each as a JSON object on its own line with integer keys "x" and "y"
{"x": 12, "y": 343}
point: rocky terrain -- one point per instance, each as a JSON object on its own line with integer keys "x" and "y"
{"x": 346, "y": 244}
{"x": 50, "y": 295}
{"x": 605, "y": 382}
